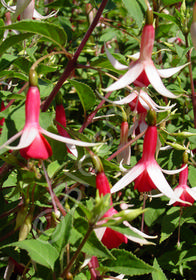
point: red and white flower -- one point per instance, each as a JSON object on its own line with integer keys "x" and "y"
{"x": 142, "y": 72}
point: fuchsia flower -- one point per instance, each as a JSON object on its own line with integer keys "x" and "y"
{"x": 110, "y": 238}
{"x": 147, "y": 174}
{"x": 139, "y": 101}
{"x": 142, "y": 72}
{"x": 125, "y": 155}
{"x": 26, "y": 10}
{"x": 61, "y": 118}
{"x": 32, "y": 143}
{"x": 183, "y": 191}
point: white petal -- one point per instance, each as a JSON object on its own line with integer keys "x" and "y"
{"x": 124, "y": 156}
{"x": 100, "y": 232}
{"x": 166, "y": 73}
{"x": 39, "y": 16}
{"x": 10, "y": 8}
{"x": 28, "y": 135}
{"x": 178, "y": 193}
{"x": 145, "y": 99}
{"x": 12, "y": 139}
{"x": 68, "y": 140}
{"x": 128, "y": 178}
{"x": 124, "y": 100}
{"x": 115, "y": 63}
{"x": 192, "y": 192}
{"x": 142, "y": 234}
{"x": 156, "y": 82}
{"x": 72, "y": 149}
{"x": 154, "y": 171}
{"x": 135, "y": 56}
{"x": 128, "y": 78}
{"x": 172, "y": 172}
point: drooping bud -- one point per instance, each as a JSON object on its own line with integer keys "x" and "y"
{"x": 26, "y": 226}
{"x": 21, "y": 215}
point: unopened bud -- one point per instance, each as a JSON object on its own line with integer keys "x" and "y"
{"x": 25, "y": 228}
{"x": 21, "y": 215}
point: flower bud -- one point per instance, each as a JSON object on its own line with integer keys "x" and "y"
{"x": 26, "y": 227}
{"x": 21, "y": 215}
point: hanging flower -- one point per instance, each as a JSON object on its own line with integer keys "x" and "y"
{"x": 184, "y": 192}
{"x": 125, "y": 155}
{"x": 26, "y": 10}
{"x": 142, "y": 72}
{"x": 32, "y": 143}
{"x": 139, "y": 101}
{"x": 109, "y": 237}
{"x": 61, "y": 118}
{"x": 147, "y": 174}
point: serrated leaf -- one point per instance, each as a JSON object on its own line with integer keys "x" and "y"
{"x": 61, "y": 234}
{"x": 158, "y": 273}
{"x": 39, "y": 251}
{"x": 13, "y": 40}
{"x": 127, "y": 263}
{"x": 85, "y": 93}
{"x": 49, "y": 31}
{"x": 135, "y": 11}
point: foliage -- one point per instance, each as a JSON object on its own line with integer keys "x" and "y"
{"x": 50, "y": 211}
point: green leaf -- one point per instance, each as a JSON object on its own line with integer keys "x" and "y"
{"x": 135, "y": 11}
{"x": 13, "y": 40}
{"x": 169, "y": 223}
{"x": 13, "y": 74}
{"x": 49, "y": 31}
{"x": 170, "y": 2}
{"x": 39, "y": 251}
{"x": 158, "y": 273}
{"x": 85, "y": 93}
{"x": 168, "y": 18}
{"x": 127, "y": 263}
{"x": 61, "y": 234}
